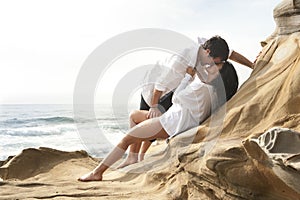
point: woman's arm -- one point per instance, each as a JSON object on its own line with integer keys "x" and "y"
{"x": 235, "y": 56}
{"x": 190, "y": 72}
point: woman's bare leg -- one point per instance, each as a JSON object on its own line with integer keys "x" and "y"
{"x": 146, "y": 130}
{"x": 135, "y": 118}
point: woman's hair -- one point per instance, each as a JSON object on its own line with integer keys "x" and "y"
{"x": 218, "y": 47}
{"x": 226, "y": 84}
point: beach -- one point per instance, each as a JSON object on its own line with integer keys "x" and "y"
{"x": 43, "y": 154}
{"x": 255, "y": 154}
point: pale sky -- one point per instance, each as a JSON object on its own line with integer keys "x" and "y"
{"x": 43, "y": 44}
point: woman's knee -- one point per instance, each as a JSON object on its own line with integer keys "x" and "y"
{"x": 128, "y": 140}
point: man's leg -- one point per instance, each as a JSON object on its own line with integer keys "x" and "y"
{"x": 144, "y": 148}
{"x": 166, "y": 101}
{"x": 135, "y": 118}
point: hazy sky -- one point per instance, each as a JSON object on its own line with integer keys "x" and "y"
{"x": 43, "y": 44}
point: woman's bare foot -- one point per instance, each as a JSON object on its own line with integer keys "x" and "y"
{"x": 92, "y": 176}
{"x": 128, "y": 161}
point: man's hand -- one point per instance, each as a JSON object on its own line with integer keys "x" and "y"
{"x": 153, "y": 112}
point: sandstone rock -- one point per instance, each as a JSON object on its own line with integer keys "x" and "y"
{"x": 249, "y": 160}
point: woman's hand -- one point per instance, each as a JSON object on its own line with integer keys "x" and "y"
{"x": 191, "y": 71}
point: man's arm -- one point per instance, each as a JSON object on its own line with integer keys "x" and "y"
{"x": 235, "y": 56}
{"x": 154, "y": 111}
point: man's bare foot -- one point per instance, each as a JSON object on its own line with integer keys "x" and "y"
{"x": 128, "y": 161}
{"x": 92, "y": 176}
{"x": 142, "y": 156}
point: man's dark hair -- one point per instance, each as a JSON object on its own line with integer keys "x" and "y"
{"x": 218, "y": 47}
{"x": 226, "y": 84}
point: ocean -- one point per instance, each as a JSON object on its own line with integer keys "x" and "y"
{"x": 32, "y": 126}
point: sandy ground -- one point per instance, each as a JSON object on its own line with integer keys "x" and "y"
{"x": 51, "y": 174}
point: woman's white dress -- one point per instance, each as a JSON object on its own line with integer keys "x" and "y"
{"x": 193, "y": 101}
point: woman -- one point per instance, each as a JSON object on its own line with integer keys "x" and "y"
{"x": 192, "y": 104}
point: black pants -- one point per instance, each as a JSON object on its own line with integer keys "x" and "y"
{"x": 163, "y": 105}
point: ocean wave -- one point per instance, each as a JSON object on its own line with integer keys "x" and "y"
{"x": 16, "y": 122}
{"x": 37, "y": 131}
{"x": 109, "y": 118}
{"x": 56, "y": 120}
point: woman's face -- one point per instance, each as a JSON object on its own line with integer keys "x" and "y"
{"x": 213, "y": 72}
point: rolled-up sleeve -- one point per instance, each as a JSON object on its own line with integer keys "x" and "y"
{"x": 177, "y": 66}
